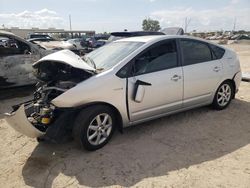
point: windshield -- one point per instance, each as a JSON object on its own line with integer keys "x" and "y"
{"x": 111, "y": 54}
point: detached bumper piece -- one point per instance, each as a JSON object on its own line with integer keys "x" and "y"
{"x": 246, "y": 76}
{"x": 57, "y": 131}
{"x": 18, "y": 121}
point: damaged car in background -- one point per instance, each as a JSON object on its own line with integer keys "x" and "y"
{"x": 16, "y": 58}
{"x": 55, "y": 45}
{"x": 123, "y": 83}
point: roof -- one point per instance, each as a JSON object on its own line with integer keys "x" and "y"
{"x": 150, "y": 38}
{"x": 8, "y": 34}
{"x": 135, "y": 33}
{"x": 155, "y": 38}
{"x": 141, "y": 39}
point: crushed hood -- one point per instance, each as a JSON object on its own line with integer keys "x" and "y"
{"x": 50, "y": 45}
{"x": 66, "y": 57}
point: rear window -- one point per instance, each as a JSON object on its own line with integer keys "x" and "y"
{"x": 217, "y": 51}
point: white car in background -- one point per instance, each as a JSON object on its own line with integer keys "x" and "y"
{"x": 78, "y": 42}
{"x": 124, "y": 83}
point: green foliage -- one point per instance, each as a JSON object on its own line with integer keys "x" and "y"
{"x": 150, "y": 25}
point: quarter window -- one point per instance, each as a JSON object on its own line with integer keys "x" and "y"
{"x": 218, "y": 52}
{"x": 195, "y": 52}
{"x": 160, "y": 57}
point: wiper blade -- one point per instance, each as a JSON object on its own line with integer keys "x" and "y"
{"x": 85, "y": 58}
{"x": 92, "y": 62}
{"x": 88, "y": 59}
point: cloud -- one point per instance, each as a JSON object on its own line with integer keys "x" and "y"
{"x": 43, "y": 18}
{"x": 205, "y": 20}
{"x": 235, "y": 2}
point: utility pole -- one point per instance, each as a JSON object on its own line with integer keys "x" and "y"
{"x": 234, "y": 24}
{"x": 70, "y": 23}
{"x": 70, "y": 28}
{"x": 187, "y": 22}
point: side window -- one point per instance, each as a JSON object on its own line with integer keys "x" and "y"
{"x": 217, "y": 51}
{"x": 159, "y": 57}
{"x": 10, "y": 46}
{"x": 195, "y": 52}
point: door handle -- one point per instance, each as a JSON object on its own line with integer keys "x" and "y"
{"x": 176, "y": 77}
{"x": 216, "y": 69}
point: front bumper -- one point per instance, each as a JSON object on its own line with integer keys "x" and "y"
{"x": 18, "y": 121}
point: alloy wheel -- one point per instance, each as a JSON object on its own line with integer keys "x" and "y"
{"x": 99, "y": 129}
{"x": 224, "y": 95}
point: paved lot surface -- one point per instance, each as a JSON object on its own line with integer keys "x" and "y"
{"x": 198, "y": 148}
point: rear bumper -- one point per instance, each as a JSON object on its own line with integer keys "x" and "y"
{"x": 18, "y": 121}
{"x": 237, "y": 80}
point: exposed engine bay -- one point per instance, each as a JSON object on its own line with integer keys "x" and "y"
{"x": 56, "y": 73}
{"x": 54, "y": 79}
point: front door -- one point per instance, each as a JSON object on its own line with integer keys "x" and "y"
{"x": 162, "y": 82}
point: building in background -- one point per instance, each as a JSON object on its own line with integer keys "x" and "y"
{"x": 58, "y": 33}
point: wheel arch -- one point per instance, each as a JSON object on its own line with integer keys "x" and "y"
{"x": 114, "y": 109}
{"x": 234, "y": 86}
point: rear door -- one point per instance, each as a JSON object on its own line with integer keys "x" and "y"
{"x": 201, "y": 71}
{"x": 158, "y": 70}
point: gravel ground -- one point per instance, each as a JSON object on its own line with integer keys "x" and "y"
{"x": 197, "y": 148}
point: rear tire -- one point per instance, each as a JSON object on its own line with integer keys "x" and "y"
{"x": 94, "y": 127}
{"x": 223, "y": 95}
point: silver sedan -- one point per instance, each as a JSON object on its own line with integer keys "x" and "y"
{"x": 124, "y": 83}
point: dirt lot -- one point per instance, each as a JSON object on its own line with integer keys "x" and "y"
{"x": 198, "y": 148}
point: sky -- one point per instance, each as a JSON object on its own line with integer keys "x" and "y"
{"x": 117, "y": 15}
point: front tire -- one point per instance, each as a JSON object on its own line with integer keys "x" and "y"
{"x": 223, "y": 95}
{"x": 94, "y": 127}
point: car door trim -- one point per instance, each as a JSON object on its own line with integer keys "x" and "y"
{"x": 131, "y": 123}
{"x": 157, "y": 108}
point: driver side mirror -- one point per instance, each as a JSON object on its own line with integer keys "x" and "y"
{"x": 139, "y": 90}
{"x": 139, "y": 95}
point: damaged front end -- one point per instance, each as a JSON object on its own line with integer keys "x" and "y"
{"x": 39, "y": 118}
